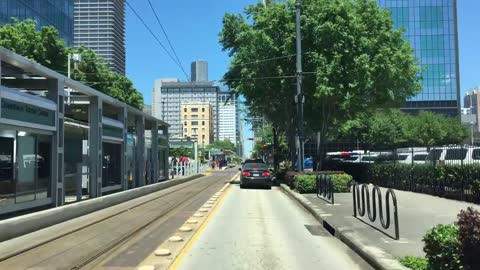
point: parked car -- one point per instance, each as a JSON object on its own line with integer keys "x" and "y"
{"x": 412, "y": 158}
{"x": 254, "y": 174}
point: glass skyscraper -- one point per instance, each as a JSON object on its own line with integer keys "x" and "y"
{"x": 56, "y": 13}
{"x": 431, "y": 28}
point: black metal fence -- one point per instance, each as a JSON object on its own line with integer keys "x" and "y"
{"x": 450, "y": 172}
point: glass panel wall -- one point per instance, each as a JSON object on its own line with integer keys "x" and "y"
{"x": 25, "y": 166}
{"x": 111, "y": 174}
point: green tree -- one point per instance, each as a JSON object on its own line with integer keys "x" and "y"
{"x": 46, "y": 48}
{"x": 181, "y": 151}
{"x": 355, "y": 62}
{"x": 225, "y": 145}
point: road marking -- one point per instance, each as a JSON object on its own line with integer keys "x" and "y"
{"x": 196, "y": 235}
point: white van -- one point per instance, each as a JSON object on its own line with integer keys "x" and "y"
{"x": 412, "y": 158}
{"x": 455, "y": 155}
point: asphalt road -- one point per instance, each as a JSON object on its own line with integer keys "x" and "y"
{"x": 264, "y": 229}
{"x": 123, "y": 240}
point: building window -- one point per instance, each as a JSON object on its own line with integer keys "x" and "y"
{"x": 185, "y": 123}
{"x": 203, "y": 109}
{"x": 194, "y": 123}
{"x": 203, "y": 123}
{"x": 203, "y": 136}
{"x": 203, "y": 129}
{"x": 185, "y": 130}
{"x": 184, "y": 116}
{"x": 194, "y": 109}
{"x": 194, "y": 116}
{"x": 185, "y": 109}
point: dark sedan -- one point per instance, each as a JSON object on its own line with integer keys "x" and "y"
{"x": 255, "y": 174}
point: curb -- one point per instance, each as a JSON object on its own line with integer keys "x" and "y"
{"x": 376, "y": 257}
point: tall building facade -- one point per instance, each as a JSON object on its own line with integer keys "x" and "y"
{"x": 100, "y": 26}
{"x": 199, "y": 71}
{"x": 169, "y": 94}
{"x": 56, "y": 13}
{"x": 431, "y": 28}
{"x": 197, "y": 121}
{"x": 228, "y": 118}
{"x": 471, "y": 103}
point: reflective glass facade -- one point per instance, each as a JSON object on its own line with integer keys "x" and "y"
{"x": 431, "y": 28}
{"x": 56, "y": 13}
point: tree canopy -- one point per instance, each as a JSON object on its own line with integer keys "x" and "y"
{"x": 354, "y": 61}
{"x": 393, "y": 128}
{"x": 44, "y": 47}
{"x": 225, "y": 145}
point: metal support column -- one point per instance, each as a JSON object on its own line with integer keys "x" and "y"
{"x": 155, "y": 152}
{"x": 123, "y": 117}
{"x": 140, "y": 150}
{"x": 56, "y": 94}
{"x": 95, "y": 150}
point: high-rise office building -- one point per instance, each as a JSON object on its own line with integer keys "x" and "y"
{"x": 228, "y": 124}
{"x": 169, "y": 94}
{"x": 56, "y": 13}
{"x": 100, "y": 26}
{"x": 199, "y": 70}
{"x": 431, "y": 28}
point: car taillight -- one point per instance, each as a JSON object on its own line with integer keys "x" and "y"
{"x": 245, "y": 173}
{"x": 266, "y": 174}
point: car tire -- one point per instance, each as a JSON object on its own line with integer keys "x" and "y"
{"x": 242, "y": 186}
{"x": 268, "y": 186}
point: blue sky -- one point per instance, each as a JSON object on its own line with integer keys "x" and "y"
{"x": 193, "y": 28}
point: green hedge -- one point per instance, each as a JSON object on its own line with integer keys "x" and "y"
{"x": 307, "y": 183}
{"x": 442, "y": 247}
{"x": 414, "y": 263}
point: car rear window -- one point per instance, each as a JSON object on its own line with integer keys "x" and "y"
{"x": 476, "y": 154}
{"x": 369, "y": 158}
{"x": 453, "y": 154}
{"x": 434, "y": 154}
{"x": 420, "y": 157}
{"x": 250, "y": 166}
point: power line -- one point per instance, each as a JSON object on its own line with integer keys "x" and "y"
{"x": 154, "y": 36}
{"x": 166, "y": 36}
{"x": 263, "y": 60}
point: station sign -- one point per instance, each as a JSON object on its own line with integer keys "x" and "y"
{"x": 19, "y": 111}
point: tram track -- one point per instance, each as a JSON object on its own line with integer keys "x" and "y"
{"x": 81, "y": 247}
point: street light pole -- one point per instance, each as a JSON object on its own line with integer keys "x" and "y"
{"x": 299, "y": 98}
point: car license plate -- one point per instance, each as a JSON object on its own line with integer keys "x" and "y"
{"x": 256, "y": 174}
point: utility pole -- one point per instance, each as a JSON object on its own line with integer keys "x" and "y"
{"x": 299, "y": 97}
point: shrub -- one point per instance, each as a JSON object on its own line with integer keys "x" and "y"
{"x": 414, "y": 263}
{"x": 442, "y": 247}
{"x": 289, "y": 178}
{"x": 469, "y": 236}
{"x": 305, "y": 183}
{"x": 341, "y": 182}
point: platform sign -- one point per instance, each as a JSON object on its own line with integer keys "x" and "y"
{"x": 19, "y": 111}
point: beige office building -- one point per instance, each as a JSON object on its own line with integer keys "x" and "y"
{"x": 197, "y": 122}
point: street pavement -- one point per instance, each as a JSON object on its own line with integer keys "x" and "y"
{"x": 417, "y": 214}
{"x": 265, "y": 229}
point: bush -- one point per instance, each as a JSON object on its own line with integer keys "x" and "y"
{"x": 341, "y": 182}
{"x": 442, "y": 247}
{"x": 289, "y": 178}
{"x": 305, "y": 183}
{"x": 469, "y": 237}
{"x": 414, "y": 263}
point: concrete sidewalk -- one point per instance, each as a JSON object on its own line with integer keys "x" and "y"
{"x": 417, "y": 214}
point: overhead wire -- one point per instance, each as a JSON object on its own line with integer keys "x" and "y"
{"x": 155, "y": 37}
{"x": 168, "y": 39}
